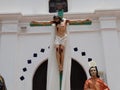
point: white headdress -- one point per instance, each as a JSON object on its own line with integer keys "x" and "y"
{"x": 92, "y": 63}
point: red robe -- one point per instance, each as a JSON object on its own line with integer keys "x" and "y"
{"x": 95, "y": 84}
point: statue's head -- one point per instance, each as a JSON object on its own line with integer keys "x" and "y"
{"x": 57, "y": 19}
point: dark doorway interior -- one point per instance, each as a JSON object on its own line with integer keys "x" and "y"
{"x": 78, "y": 76}
{"x": 40, "y": 77}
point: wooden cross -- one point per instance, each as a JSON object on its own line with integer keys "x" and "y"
{"x": 60, "y": 13}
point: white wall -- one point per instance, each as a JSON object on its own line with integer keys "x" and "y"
{"x": 41, "y": 6}
{"x": 100, "y": 41}
{"x": 110, "y": 39}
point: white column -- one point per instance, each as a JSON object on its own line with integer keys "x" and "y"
{"x": 8, "y": 51}
{"x": 111, "y": 50}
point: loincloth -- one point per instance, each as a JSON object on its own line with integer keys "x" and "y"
{"x": 60, "y": 40}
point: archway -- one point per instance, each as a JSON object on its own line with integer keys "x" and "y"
{"x": 78, "y": 76}
{"x": 40, "y": 77}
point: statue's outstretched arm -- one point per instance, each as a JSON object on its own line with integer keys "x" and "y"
{"x": 80, "y": 22}
{"x": 41, "y": 23}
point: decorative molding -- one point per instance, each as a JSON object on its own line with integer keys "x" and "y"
{"x": 47, "y": 17}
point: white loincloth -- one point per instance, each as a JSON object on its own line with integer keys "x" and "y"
{"x": 60, "y": 40}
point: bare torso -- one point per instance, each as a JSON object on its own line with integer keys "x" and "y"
{"x": 61, "y": 29}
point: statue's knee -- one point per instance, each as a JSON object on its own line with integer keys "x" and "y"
{"x": 57, "y": 49}
{"x": 61, "y": 49}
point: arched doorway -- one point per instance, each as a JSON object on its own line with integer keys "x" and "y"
{"x": 40, "y": 77}
{"x": 78, "y": 76}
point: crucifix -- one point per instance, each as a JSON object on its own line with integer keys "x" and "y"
{"x": 60, "y": 34}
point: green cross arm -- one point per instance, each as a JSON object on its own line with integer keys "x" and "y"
{"x": 40, "y": 23}
{"x": 80, "y": 22}
{"x": 71, "y": 22}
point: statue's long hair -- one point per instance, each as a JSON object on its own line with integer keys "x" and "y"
{"x": 96, "y": 71}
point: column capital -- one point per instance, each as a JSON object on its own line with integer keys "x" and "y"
{"x": 108, "y": 22}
